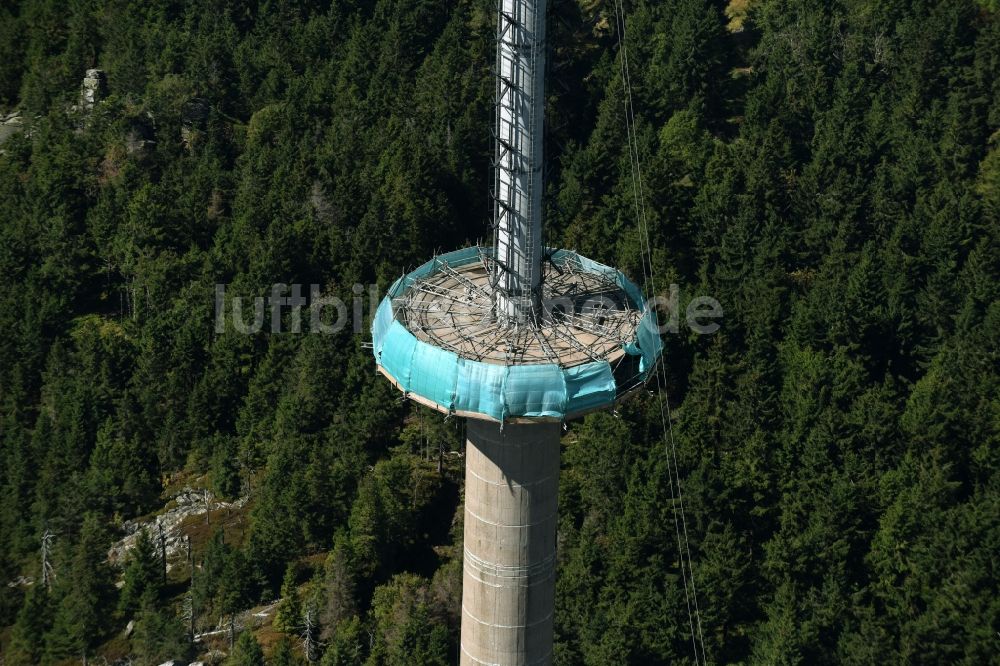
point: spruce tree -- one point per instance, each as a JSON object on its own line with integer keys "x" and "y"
{"x": 143, "y": 574}
{"x": 86, "y": 596}
{"x": 289, "y": 615}
{"x": 28, "y": 635}
{"x": 246, "y": 652}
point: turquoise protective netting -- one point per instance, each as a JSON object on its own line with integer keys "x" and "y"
{"x": 500, "y": 392}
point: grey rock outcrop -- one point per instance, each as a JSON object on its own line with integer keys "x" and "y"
{"x": 194, "y": 117}
{"x": 10, "y": 125}
{"x": 140, "y": 136}
{"x": 186, "y": 503}
{"x": 95, "y": 87}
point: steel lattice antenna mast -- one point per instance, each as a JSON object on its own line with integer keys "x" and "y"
{"x": 518, "y": 181}
{"x": 518, "y": 347}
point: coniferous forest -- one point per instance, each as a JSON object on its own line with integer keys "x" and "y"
{"x": 828, "y": 171}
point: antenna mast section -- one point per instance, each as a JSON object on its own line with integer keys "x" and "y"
{"x": 518, "y": 159}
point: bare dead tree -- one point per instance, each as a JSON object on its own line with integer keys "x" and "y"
{"x": 246, "y": 466}
{"x": 163, "y": 551}
{"x": 48, "y": 573}
{"x": 189, "y": 600}
{"x": 187, "y": 613}
{"x": 310, "y": 635}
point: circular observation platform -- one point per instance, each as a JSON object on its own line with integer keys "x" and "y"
{"x": 437, "y": 338}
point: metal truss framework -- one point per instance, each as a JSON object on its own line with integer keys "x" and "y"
{"x": 518, "y": 159}
{"x": 583, "y": 316}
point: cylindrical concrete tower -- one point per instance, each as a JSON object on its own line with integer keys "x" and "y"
{"x": 518, "y": 346}
{"x": 508, "y": 588}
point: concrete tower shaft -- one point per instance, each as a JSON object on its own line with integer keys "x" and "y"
{"x": 508, "y": 587}
{"x": 518, "y": 160}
